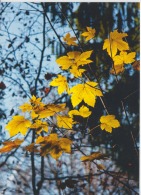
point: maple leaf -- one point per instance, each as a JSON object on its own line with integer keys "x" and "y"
{"x": 77, "y": 72}
{"x": 74, "y": 58}
{"x": 50, "y": 110}
{"x": 86, "y": 92}
{"x": 89, "y": 34}
{"x": 65, "y": 144}
{"x": 94, "y": 156}
{"x": 119, "y": 68}
{"x": 124, "y": 58}
{"x": 18, "y": 124}
{"x": 61, "y": 83}
{"x": 31, "y": 148}
{"x": 40, "y": 126}
{"x": 108, "y": 122}
{"x": 35, "y": 101}
{"x": 115, "y": 43}
{"x": 65, "y": 62}
{"x": 26, "y": 107}
{"x": 83, "y": 58}
{"x": 53, "y": 145}
{"x": 136, "y": 65}
{"x": 70, "y": 40}
{"x": 83, "y": 111}
{"x": 65, "y": 122}
{"x": 10, "y": 145}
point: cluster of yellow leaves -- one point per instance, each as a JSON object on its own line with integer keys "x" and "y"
{"x": 108, "y": 122}
{"x": 112, "y": 45}
{"x": 61, "y": 83}
{"x": 86, "y": 92}
{"x": 115, "y": 43}
{"x": 83, "y": 111}
{"x": 70, "y": 40}
{"x": 38, "y": 110}
{"x": 89, "y": 34}
{"x": 53, "y": 145}
{"x": 94, "y": 156}
{"x": 73, "y": 60}
{"x": 10, "y": 145}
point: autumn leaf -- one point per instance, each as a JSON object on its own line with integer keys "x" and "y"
{"x": 40, "y": 126}
{"x": 65, "y": 122}
{"x": 115, "y": 43}
{"x": 10, "y": 145}
{"x": 70, "y": 40}
{"x": 61, "y": 83}
{"x": 136, "y": 65}
{"x": 124, "y": 58}
{"x": 83, "y": 111}
{"x": 86, "y": 92}
{"x": 26, "y": 107}
{"x": 74, "y": 58}
{"x": 65, "y": 144}
{"x": 50, "y": 110}
{"x": 35, "y": 101}
{"x": 119, "y": 68}
{"x": 18, "y": 124}
{"x": 65, "y": 62}
{"x": 94, "y": 156}
{"x": 89, "y": 34}
{"x": 31, "y": 148}
{"x": 77, "y": 72}
{"x": 108, "y": 122}
{"x": 53, "y": 145}
{"x": 83, "y": 58}
{"x": 100, "y": 166}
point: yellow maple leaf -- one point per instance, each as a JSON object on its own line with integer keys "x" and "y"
{"x": 124, "y": 58}
{"x": 53, "y": 137}
{"x": 31, "y": 148}
{"x": 35, "y": 101}
{"x": 94, "y": 156}
{"x": 61, "y": 83}
{"x": 74, "y": 58}
{"x": 115, "y": 43}
{"x": 86, "y": 92}
{"x": 83, "y": 58}
{"x": 53, "y": 145}
{"x": 26, "y": 107}
{"x": 65, "y": 144}
{"x": 118, "y": 68}
{"x": 39, "y": 126}
{"x": 70, "y": 40}
{"x": 83, "y": 111}
{"x": 89, "y": 34}
{"x": 18, "y": 124}
{"x": 50, "y": 110}
{"x": 108, "y": 122}
{"x": 65, "y": 122}
{"x": 65, "y": 62}
{"x": 77, "y": 72}
{"x": 10, "y": 145}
